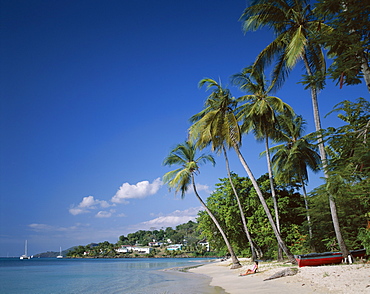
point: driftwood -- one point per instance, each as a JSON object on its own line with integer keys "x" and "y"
{"x": 284, "y": 273}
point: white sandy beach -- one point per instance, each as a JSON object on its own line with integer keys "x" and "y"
{"x": 354, "y": 278}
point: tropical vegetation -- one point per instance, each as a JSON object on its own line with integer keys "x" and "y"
{"x": 304, "y": 32}
{"x": 237, "y": 219}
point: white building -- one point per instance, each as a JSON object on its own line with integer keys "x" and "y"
{"x": 134, "y": 249}
{"x": 204, "y": 243}
{"x": 124, "y": 249}
{"x": 155, "y": 244}
{"x": 174, "y": 247}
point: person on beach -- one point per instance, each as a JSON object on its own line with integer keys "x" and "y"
{"x": 251, "y": 271}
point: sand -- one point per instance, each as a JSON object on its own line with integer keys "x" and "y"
{"x": 354, "y": 278}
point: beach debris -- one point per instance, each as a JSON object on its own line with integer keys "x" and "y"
{"x": 284, "y": 273}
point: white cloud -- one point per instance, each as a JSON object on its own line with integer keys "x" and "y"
{"x": 106, "y": 214}
{"x": 88, "y": 203}
{"x": 139, "y": 190}
{"x": 48, "y": 228}
{"x": 76, "y": 210}
{"x": 205, "y": 188}
{"x": 126, "y": 191}
{"x": 172, "y": 219}
{"x": 40, "y": 227}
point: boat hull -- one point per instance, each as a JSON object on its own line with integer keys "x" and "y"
{"x": 316, "y": 259}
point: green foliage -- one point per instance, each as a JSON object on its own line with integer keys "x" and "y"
{"x": 364, "y": 237}
{"x": 349, "y": 176}
{"x": 187, "y": 234}
{"x": 349, "y": 146}
{"x": 222, "y": 203}
{"x": 348, "y": 40}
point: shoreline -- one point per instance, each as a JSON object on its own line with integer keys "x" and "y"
{"x": 354, "y": 278}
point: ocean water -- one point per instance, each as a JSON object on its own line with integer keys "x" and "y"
{"x": 126, "y": 275}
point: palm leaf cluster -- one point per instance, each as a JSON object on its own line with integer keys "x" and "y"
{"x": 294, "y": 24}
{"x": 296, "y": 153}
{"x": 216, "y": 124}
{"x": 185, "y": 156}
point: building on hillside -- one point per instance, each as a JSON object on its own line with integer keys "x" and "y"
{"x": 155, "y": 244}
{"x": 174, "y": 247}
{"x": 124, "y": 249}
{"x": 204, "y": 243}
{"x": 134, "y": 249}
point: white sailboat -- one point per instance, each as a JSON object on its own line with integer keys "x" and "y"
{"x": 25, "y": 256}
{"x": 60, "y": 253}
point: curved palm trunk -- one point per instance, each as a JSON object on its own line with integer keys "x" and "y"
{"x": 235, "y": 261}
{"x": 273, "y": 193}
{"x": 253, "y": 250}
{"x": 265, "y": 207}
{"x": 332, "y": 204}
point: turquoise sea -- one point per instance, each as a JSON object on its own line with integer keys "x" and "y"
{"x": 136, "y": 275}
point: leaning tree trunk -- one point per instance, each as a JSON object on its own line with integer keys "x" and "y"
{"x": 265, "y": 207}
{"x": 273, "y": 194}
{"x": 236, "y": 264}
{"x": 307, "y": 211}
{"x": 332, "y": 204}
{"x": 253, "y": 250}
{"x": 366, "y": 71}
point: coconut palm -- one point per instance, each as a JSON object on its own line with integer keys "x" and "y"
{"x": 180, "y": 179}
{"x": 219, "y": 126}
{"x": 294, "y": 155}
{"x": 294, "y": 25}
{"x": 220, "y": 100}
{"x": 258, "y": 113}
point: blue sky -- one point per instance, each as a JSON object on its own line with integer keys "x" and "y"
{"x": 94, "y": 94}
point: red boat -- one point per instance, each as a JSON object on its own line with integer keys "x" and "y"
{"x": 315, "y": 259}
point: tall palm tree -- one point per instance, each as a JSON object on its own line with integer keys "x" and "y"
{"x": 294, "y": 24}
{"x": 180, "y": 179}
{"x": 259, "y": 113}
{"x": 220, "y": 100}
{"x": 294, "y": 155}
{"x": 220, "y": 126}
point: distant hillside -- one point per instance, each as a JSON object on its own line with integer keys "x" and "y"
{"x": 53, "y": 254}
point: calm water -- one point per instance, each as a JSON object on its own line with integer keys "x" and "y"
{"x": 44, "y": 275}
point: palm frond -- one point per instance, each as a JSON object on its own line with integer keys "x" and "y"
{"x": 296, "y": 47}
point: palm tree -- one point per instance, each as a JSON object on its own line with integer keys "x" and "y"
{"x": 259, "y": 113}
{"x": 180, "y": 179}
{"x": 294, "y": 24}
{"x": 294, "y": 155}
{"x": 220, "y": 100}
{"x": 219, "y": 126}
